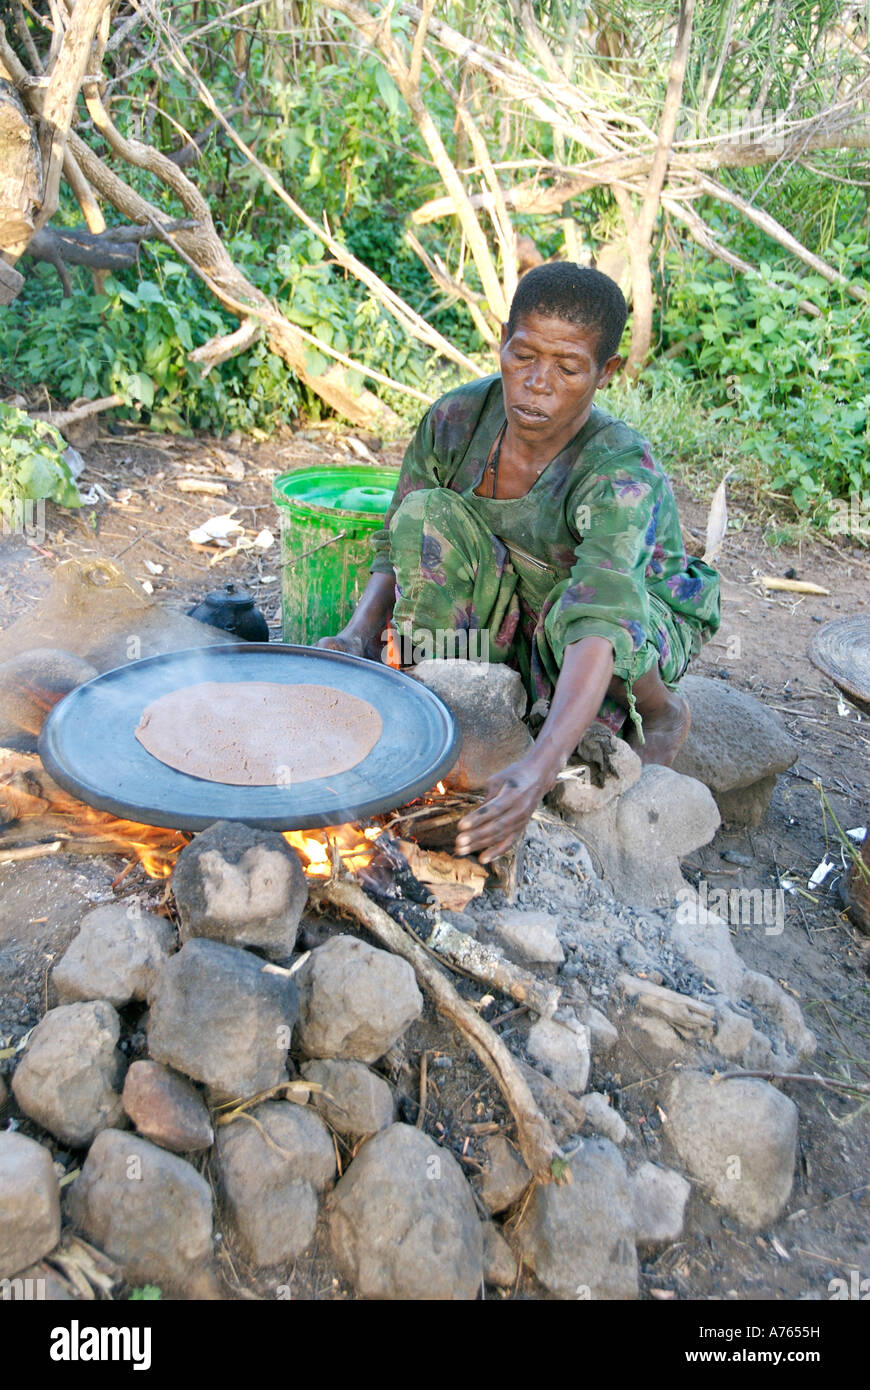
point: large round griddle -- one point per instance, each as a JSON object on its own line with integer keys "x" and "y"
{"x": 841, "y": 649}
{"x": 89, "y": 747}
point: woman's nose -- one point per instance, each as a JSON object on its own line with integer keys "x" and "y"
{"x": 538, "y": 377}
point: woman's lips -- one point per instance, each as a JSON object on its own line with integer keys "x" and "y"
{"x": 529, "y": 412}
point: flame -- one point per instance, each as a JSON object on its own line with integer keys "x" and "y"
{"x": 393, "y": 649}
{"x": 155, "y": 848}
{"x": 351, "y": 843}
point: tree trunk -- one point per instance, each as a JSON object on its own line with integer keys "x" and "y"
{"x": 20, "y": 174}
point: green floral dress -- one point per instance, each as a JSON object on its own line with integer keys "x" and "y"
{"x": 594, "y": 547}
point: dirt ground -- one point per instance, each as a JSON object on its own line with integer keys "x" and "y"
{"x": 140, "y": 516}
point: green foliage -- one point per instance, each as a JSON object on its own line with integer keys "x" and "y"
{"x": 794, "y": 383}
{"x": 761, "y": 387}
{"x": 32, "y": 466}
{"x": 134, "y": 340}
{"x": 148, "y": 1292}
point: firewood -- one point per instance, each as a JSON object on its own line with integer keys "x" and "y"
{"x": 565, "y": 1111}
{"x": 537, "y": 1143}
{"x": 453, "y": 881}
{"x": 16, "y": 856}
{"x": 488, "y": 966}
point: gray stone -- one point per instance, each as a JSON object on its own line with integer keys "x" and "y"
{"x": 354, "y": 1101}
{"x": 601, "y": 1116}
{"x": 785, "y": 1014}
{"x": 33, "y": 681}
{"x": 733, "y": 1033}
{"x": 71, "y": 1070}
{"x": 580, "y": 794}
{"x": 578, "y": 1237}
{"x": 652, "y": 1042}
{"x": 147, "y": 1209}
{"x": 505, "y": 1177}
{"x": 640, "y": 838}
{"x": 220, "y": 1016}
{"x": 734, "y": 739}
{"x": 270, "y": 1188}
{"x": 403, "y": 1223}
{"x": 603, "y": 1036}
{"x": 659, "y": 1197}
{"x": 29, "y": 1203}
{"x": 499, "y": 1265}
{"x": 355, "y": 1001}
{"x": 531, "y": 936}
{"x": 488, "y": 703}
{"x": 703, "y": 938}
{"x": 166, "y": 1108}
{"x": 746, "y": 805}
{"x": 116, "y": 956}
{"x": 243, "y": 886}
{"x": 559, "y": 1047}
{"x": 738, "y": 1138}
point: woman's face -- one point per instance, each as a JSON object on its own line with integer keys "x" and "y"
{"x": 550, "y": 374}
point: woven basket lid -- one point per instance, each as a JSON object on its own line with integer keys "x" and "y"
{"x": 841, "y": 649}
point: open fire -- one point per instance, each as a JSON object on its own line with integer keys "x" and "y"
{"x": 39, "y": 818}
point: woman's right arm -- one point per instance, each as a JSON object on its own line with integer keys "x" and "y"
{"x": 364, "y": 634}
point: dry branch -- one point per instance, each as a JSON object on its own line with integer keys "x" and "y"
{"x": 413, "y": 323}
{"x": 535, "y": 1137}
{"x": 61, "y": 418}
{"x": 640, "y": 226}
{"x": 380, "y": 37}
{"x": 489, "y": 967}
{"x": 228, "y": 345}
{"x": 58, "y": 97}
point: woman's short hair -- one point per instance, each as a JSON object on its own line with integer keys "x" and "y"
{"x": 578, "y": 294}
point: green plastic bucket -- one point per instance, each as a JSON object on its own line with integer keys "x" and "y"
{"x": 327, "y": 518}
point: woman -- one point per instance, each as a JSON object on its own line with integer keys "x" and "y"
{"x": 525, "y": 512}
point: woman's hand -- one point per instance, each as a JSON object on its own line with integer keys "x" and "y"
{"x": 513, "y": 793}
{"x": 511, "y": 797}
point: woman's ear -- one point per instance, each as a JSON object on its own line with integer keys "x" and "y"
{"x": 610, "y": 368}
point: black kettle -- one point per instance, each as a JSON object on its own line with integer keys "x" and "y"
{"x": 233, "y": 610}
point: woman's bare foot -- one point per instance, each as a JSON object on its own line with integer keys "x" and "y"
{"x": 665, "y": 727}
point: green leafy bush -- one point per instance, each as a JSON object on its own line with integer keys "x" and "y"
{"x": 797, "y": 384}
{"x": 32, "y": 465}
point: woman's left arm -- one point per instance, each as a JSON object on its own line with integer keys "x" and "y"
{"x": 513, "y": 793}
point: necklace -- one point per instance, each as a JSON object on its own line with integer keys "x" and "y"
{"x": 492, "y": 465}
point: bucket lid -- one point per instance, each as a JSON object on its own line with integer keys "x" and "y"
{"x": 339, "y": 489}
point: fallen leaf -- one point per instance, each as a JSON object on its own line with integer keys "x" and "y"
{"x": 717, "y": 523}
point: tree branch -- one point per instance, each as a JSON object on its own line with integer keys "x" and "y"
{"x": 59, "y": 98}
{"x": 774, "y": 229}
{"x": 412, "y": 322}
{"x": 670, "y": 112}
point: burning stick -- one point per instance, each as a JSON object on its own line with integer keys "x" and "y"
{"x": 535, "y": 1136}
